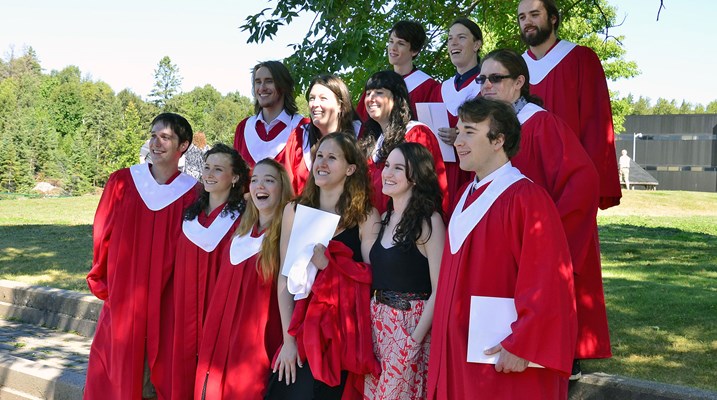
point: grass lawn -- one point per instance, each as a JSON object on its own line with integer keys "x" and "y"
{"x": 659, "y": 267}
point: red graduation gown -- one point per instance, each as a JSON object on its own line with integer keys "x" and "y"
{"x": 133, "y": 262}
{"x": 294, "y": 161}
{"x": 551, "y": 156}
{"x": 242, "y": 331}
{"x": 420, "y": 93}
{"x": 242, "y": 137}
{"x": 455, "y": 176}
{"x": 421, "y": 134}
{"x": 576, "y": 91}
{"x": 517, "y": 250}
{"x": 333, "y": 325}
{"x": 195, "y": 276}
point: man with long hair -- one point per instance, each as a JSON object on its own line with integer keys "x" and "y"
{"x": 264, "y": 134}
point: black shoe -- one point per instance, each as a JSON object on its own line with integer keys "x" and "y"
{"x": 576, "y": 373}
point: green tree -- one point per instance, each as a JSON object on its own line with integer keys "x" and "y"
{"x": 665, "y": 107}
{"x": 167, "y": 82}
{"x": 642, "y": 106}
{"x": 686, "y": 107}
{"x": 349, "y": 36}
{"x": 711, "y": 107}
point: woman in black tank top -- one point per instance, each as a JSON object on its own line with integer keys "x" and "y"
{"x": 405, "y": 260}
{"x": 338, "y": 184}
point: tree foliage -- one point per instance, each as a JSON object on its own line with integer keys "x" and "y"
{"x": 167, "y": 82}
{"x": 349, "y": 37}
{"x": 73, "y": 132}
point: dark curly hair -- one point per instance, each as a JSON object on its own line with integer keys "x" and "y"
{"x": 235, "y": 201}
{"x": 400, "y": 115}
{"x": 354, "y": 204}
{"x": 426, "y": 198}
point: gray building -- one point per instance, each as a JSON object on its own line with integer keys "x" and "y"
{"x": 680, "y": 151}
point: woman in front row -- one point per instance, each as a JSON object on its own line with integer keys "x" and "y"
{"x": 327, "y": 337}
{"x": 405, "y": 260}
{"x": 242, "y": 330}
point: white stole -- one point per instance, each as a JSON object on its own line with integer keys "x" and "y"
{"x": 154, "y": 195}
{"x": 463, "y": 221}
{"x": 259, "y": 148}
{"x": 539, "y": 69}
{"x": 243, "y": 247}
{"x": 453, "y": 98}
{"x": 415, "y": 79}
{"x": 528, "y": 111}
{"x": 208, "y": 238}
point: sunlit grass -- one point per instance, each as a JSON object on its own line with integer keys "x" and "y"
{"x": 659, "y": 254}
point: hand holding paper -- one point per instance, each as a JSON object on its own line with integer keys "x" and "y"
{"x": 311, "y": 226}
{"x": 435, "y": 116}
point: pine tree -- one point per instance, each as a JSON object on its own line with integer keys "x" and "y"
{"x": 166, "y": 82}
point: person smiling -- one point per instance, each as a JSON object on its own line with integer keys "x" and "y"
{"x": 242, "y": 329}
{"x": 405, "y": 42}
{"x": 465, "y": 40}
{"x": 389, "y": 125}
{"x": 135, "y": 231}
{"x": 276, "y": 114}
{"x": 551, "y": 155}
{"x": 330, "y": 110}
{"x": 571, "y": 81}
{"x": 206, "y": 231}
{"x": 504, "y": 242}
{"x": 327, "y": 336}
{"x": 405, "y": 261}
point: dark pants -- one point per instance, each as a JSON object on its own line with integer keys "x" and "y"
{"x": 305, "y": 387}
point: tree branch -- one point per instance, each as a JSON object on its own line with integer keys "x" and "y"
{"x": 662, "y": 5}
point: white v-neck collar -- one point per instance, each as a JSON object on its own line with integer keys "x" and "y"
{"x": 208, "y": 238}
{"x": 464, "y": 221}
{"x": 154, "y": 195}
{"x": 453, "y": 98}
{"x": 259, "y": 148}
{"x": 415, "y": 79}
{"x": 528, "y": 111}
{"x": 539, "y": 69}
{"x": 243, "y": 247}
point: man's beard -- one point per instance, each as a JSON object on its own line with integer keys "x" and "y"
{"x": 541, "y": 34}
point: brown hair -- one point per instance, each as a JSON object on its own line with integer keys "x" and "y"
{"x": 354, "y": 204}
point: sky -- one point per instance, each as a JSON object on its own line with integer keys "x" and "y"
{"x": 121, "y": 42}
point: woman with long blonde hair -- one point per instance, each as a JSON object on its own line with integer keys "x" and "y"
{"x": 242, "y": 329}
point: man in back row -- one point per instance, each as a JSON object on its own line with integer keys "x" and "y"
{"x": 265, "y": 133}
{"x": 571, "y": 82}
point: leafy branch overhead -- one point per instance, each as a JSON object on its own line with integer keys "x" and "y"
{"x": 349, "y": 37}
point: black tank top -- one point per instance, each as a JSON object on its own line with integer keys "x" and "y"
{"x": 350, "y": 237}
{"x": 399, "y": 269}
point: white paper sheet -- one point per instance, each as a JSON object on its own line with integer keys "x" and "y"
{"x": 489, "y": 324}
{"x": 435, "y": 116}
{"x": 311, "y": 226}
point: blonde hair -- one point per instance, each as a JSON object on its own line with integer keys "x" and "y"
{"x": 267, "y": 264}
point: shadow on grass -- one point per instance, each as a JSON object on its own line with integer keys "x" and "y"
{"x": 51, "y": 255}
{"x": 661, "y": 294}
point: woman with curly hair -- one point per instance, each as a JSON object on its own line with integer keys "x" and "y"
{"x": 242, "y": 329}
{"x": 389, "y": 125}
{"x": 330, "y": 110}
{"x": 405, "y": 260}
{"x": 327, "y": 339}
{"x": 206, "y": 233}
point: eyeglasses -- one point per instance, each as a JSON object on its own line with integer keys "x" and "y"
{"x": 494, "y": 78}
